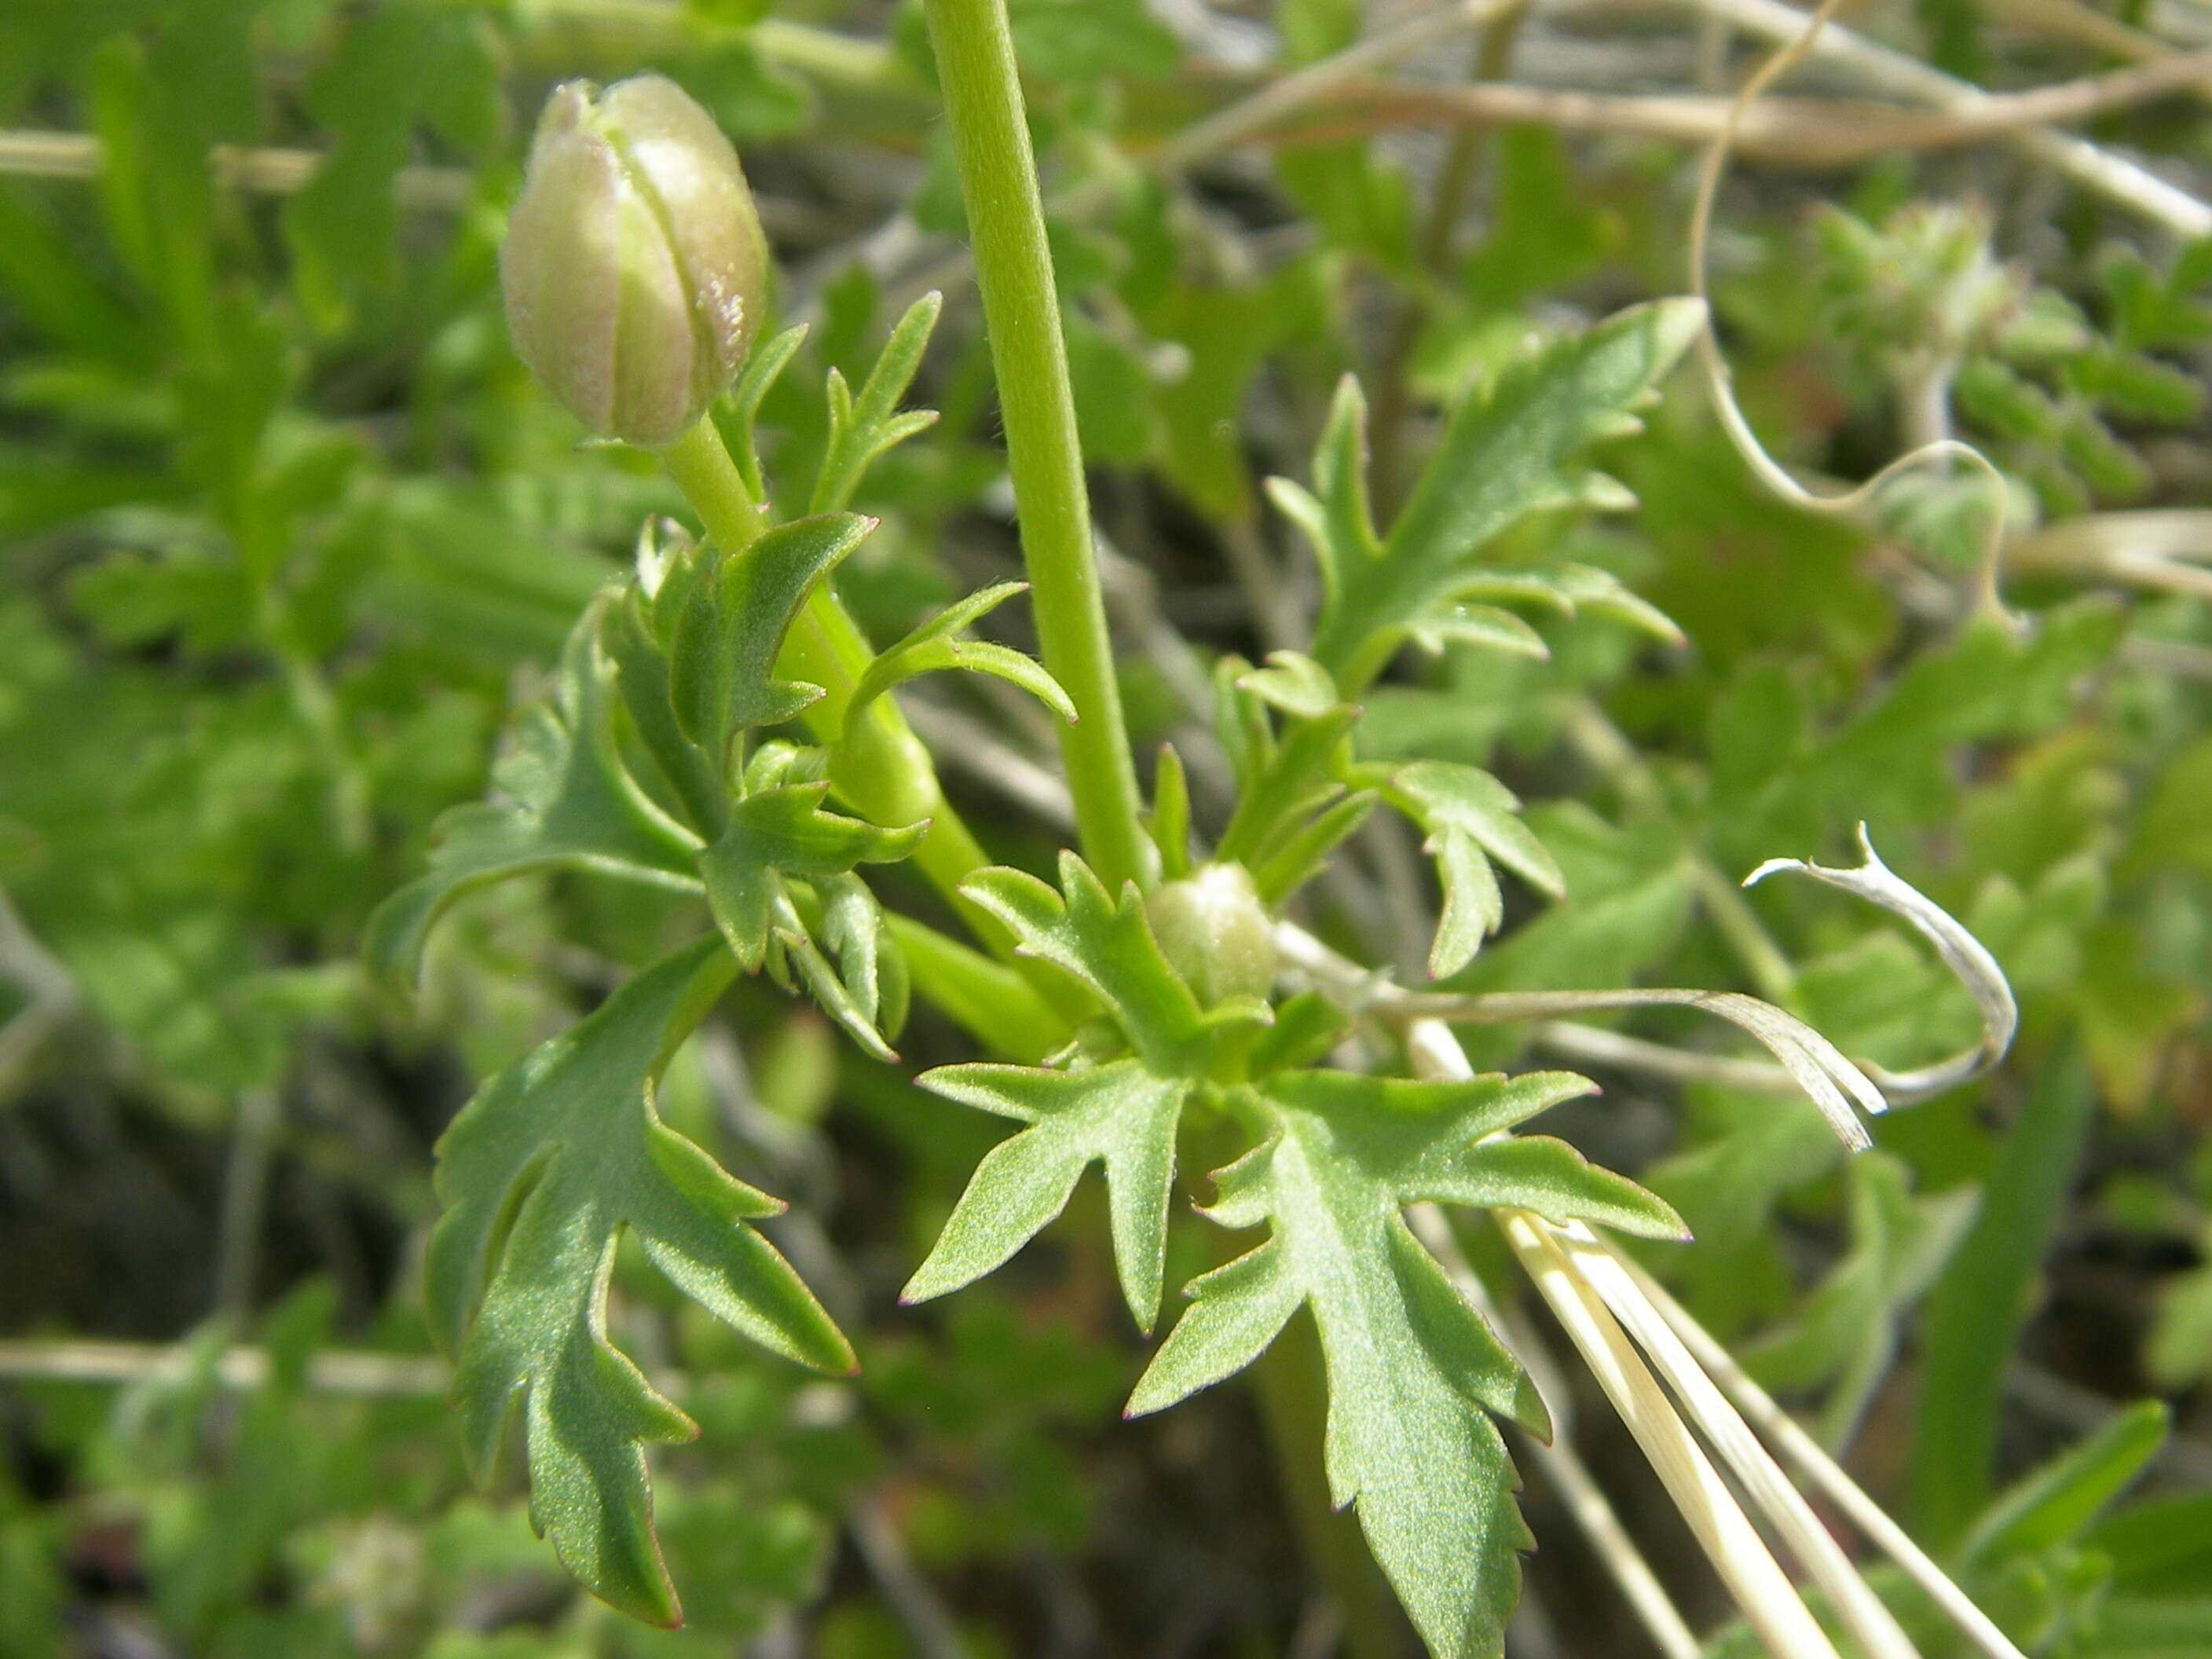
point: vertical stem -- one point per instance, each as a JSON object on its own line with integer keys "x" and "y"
{"x": 703, "y": 470}
{"x": 246, "y": 1198}
{"x": 1021, "y": 314}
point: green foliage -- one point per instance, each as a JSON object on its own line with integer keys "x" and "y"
{"x": 937, "y": 645}
{"x": 1119, "y": 1114}
{"x": 1976, "y": 1305}
{"x": 540, "y": 1173}
{"x": 1124, "y": 1113}
{"x": 292, "y": 541}
{"x": 1470, "y": 818}
{"x": 1506, "y": 454}
{"x": 570, "y": 803}
{"x": 1413, "y": 1369}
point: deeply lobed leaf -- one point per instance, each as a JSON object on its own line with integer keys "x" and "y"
{"x": 1471, "y": 818}
{"x": 1119, "y": 1114}
{"x": 570, "y": 803}
{"x": 539, "y": 1175}
{"x": 1504, "y": 454}
{"x": 1124, "y": 1113}
{"x": 1414, "y": 1373}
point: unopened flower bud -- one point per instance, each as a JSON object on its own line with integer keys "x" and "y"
{"x": 1216, "y": 933}
{"x": 634, "y": 268}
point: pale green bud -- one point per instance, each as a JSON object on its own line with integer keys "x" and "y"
{"x": 1216, "y": 933}
{"x": 634, "y": 269}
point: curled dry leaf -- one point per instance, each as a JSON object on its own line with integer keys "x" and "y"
{"x": 1962, "y": 953}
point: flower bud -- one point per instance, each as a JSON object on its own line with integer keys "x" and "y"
{"x": 1216, "y": 933}
{"x": 634, "y": 268}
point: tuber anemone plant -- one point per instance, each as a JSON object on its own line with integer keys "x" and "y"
{"x": 720, "y": 729}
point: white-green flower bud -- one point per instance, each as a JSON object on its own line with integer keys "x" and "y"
{"x": 1216, "y": 933}
{"x": 634, "y": 269}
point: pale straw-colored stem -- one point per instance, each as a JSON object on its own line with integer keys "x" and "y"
{"x": 1587, "y": 1504}
{"x": 1306, "y": 86}
{"x": 1585, "y": 1501}
{"x": 333, "y": 1371}
{"x": 1823, "y": 1471}
{"x": 1870, "y": 1624}
{"x": 2097, "y": 170}
{"x": 1770, "y": 1602}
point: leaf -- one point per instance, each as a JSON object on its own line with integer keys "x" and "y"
{"x": 870, "y": 969}
{"x": 1120, "y": 1114}
{"x": 568, "y": 803}
{"x": 539, "y": 1175}
{"x": 935, "y": 645}
{"x": 1504, "y": 455}
{"x": 2162, "y": 1543}
{"x": 1580, "y": 587}
{"x": 1300, "y": 856}
{"x": 1107, "y": 945}
{"x": 764, "y": 366}
{"x": 1484, "y": 625}
{"x": 2053, "y": 1504}
{"x": 722, "y": 660}
{"x": 782, "y": 831}
{"x": 1291, "y": 804}
{"x": 862, "y": 429}
{"x": 1414, "y": 1373}
{"x": 1170, "y": 823}
{"x": 777, "y": 832}
{"x": 1124, "y": 1112}
{"x": 1469, "y": 818}
{"x": 1294, "y": 684}
{"x": 1979, "y": 1305}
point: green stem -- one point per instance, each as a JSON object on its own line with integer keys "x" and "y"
{"x": 710, "y": 481}
{"x": 881, "y": 769}
{"x": 1021, "y": 314}
{"x": 989, "y": 1000}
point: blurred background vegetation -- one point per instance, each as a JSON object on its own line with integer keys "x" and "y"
{"x": 289, "y": 534}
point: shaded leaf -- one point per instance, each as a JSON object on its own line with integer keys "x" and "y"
{"x": 568, "y": 803}
{"x": 722, "y": 660}
{"x": 782, "y": 831}
{"x": 2053, "y": 1504}
{"x": 539, "y": 1175}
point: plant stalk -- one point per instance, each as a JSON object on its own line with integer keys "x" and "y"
{"x": 884, "y": 772}
{"x": 1021, "y": 315}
